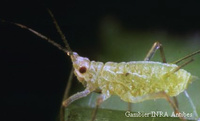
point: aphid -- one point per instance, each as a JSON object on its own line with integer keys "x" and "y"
{"x": 133, "y": 82}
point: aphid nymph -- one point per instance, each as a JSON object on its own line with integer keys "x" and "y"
{"x": 133, "y": 82}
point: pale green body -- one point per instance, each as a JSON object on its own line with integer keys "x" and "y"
{"x": 132, "y": 81}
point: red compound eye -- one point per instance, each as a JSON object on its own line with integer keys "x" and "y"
{"x": 82, "y": 69}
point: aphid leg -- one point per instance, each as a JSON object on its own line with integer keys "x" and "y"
{"x": 66, "y": 94}
{"x": 68, "y": 86}
{"x": 175, "y": 101}
{"x": 161, "y": 95}
{"x": 75, "y": 97}
{"x": 164, "y": 95}
{"x": 129, "y": 106}
{"x": 150, "y": 55}
{"x": 152, "y": 51}
{"x": 99, "y": 100}
{"x": 71, "y": 99}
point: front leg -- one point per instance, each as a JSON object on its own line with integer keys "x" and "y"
{"x": 76, "y": 96}
{"x": 99, "y": 100}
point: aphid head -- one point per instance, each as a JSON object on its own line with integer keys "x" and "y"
{"x": 81, "y": 66}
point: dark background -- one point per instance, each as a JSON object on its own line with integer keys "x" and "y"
{"x": 34, "y": 73}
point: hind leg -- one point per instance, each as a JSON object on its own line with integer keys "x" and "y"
{"x": 153, "y": 50}
{"x": 159, "y": 95}
{"x": 149, "y": 56}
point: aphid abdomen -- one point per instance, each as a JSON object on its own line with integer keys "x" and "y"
{"x": 139, "y": 78}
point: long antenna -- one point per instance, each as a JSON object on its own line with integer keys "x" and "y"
{"x": 66, "y": 50}
{"x": 59, "y": 30}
